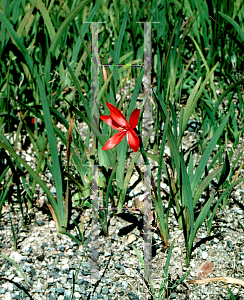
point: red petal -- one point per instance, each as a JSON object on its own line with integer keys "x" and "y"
{"x": 133, "y": 140}
{"x": 117, "y": 116}
{"x": 114, "y": 140}
{"x": 134, "y": 117}
{"x": 111, "y": 122}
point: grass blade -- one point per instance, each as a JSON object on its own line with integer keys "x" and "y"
{"x": 53, "y": 147}
{"x": 18, "y": 268}
{"x": 166, "y": 268}
{"x": 70, "y": 19}
{"x": 17, "y": 41}
{"x": 206, "y": 155}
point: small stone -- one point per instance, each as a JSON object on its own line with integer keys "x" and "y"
{"x": 40, "y": 222}
{"x": 204, "y": 255}
{"x": 117, "y": 265}
{"x": 203, "y": 247}
{"x": 55, "y": 274}
{"x": 65, "y": 267}
{"x": 230, "y": 246}
{"x": 44, "y": 245}
{"x": 122, "y": 271}
{"x": 129, "y": 273}
{"x": 16, "y": 257}
{"x": 51, "y": 224}
{"x": 39, "y": 287}
{"x": 67, "y": 293}
{"x": 45, "y": 286}
{"x": 133, "y": 296}
{"x": 18, "y": 279}
{"x": 8, "y": 296}
{"x": 131, "y": 239}
{"x": 28, "y": 157}
{"x": 40, "y": 257}
{"x": 53, "y": 190}
{"x": 63, "y": 280}
{"x": 105, "y": 291}
{"x": 114, "y": 237}
{"x": 77, "y": 295}
{"x": 98, "y": 289}
{"x": 60, "y": 291}
{"x": 112, "y": 222}
{"x": 61, "y": 248}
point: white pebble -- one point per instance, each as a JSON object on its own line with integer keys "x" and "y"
{"x": 51, "y": 224}
{"x": 53, "y": 190}
{"x": 7, "y": 296}
{"x": 16, "y": 257}
{"x": 28, "y": 157}
{"x": 129, "y": 273}
{"x": 204, "y": 255}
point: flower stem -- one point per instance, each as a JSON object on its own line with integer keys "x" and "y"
{"x": 144, "y": 155}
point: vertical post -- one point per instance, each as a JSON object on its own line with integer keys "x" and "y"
{"x": 95, "y": 122}
{"x": 95, "y": 226}
{"x": 147, "y": 125}
{"x": 95, "y": 78}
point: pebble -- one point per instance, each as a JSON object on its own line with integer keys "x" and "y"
{"x": 131, "y": 238}
{"x": 129, "y": 272}
{"x": 53, "y": 190}
{"x": 16, "y": 257}
{"x": 51, "y": 224}
{"x": 28, "y": 158}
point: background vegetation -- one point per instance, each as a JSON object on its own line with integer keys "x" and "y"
{"x": 45, "y": 98}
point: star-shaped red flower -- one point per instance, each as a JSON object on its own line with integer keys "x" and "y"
{"x": 118, "y": 122}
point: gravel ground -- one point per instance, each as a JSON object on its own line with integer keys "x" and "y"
{"x": 50, "y": 260}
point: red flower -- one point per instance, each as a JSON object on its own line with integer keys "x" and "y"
{"x": 118, "y": 121}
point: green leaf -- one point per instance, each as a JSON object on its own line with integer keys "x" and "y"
{"x": 187, "y": 202}
{"x": 70, "y": 19}
{"x": 25, "y": 20}
{"x": 17, "y": 41}
{"x": 53, "y": 147}
{"x": 100, "y": 138}
{"x": 225, "y": 171}
{"x": 234, "y": 24}
{"x": 14, "y": 263}
{"x": 204, "y": 160}
{"x": 202, "y": 186}
{"x": 142, "y": 262}
{"x": 166, "y": 270}
{"x": 230, "y": 187}
{"x": 118, "y": 48}
{"x": 46, "y": 18}
{"x": 231, "y": 294}
{"x": 190, "y": 106}
{"x": 171, "y": 139}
